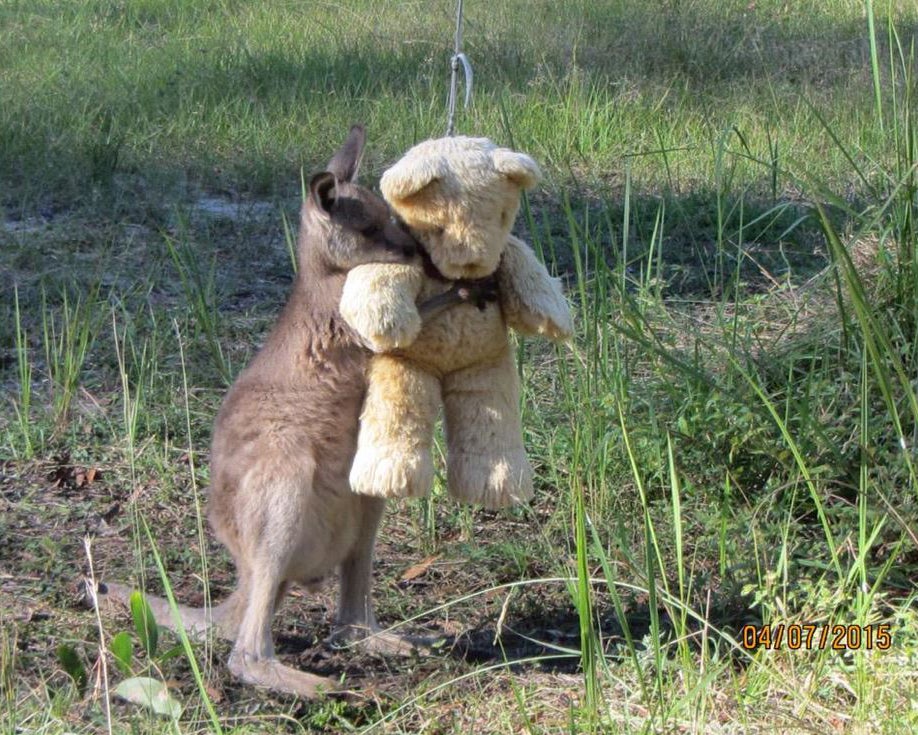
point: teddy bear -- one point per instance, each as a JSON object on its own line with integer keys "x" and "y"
{"x": 459, "y": 196}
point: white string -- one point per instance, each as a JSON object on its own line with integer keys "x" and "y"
{"x": 458, "y": 59}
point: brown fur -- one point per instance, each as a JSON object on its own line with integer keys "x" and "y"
{"x": 285, "y": 437}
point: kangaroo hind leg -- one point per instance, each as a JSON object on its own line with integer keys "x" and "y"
{"x": 356, "y": 623}
{"x": 271, "y": 552}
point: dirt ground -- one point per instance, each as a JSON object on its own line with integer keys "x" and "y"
{"x": 51, "y": 508}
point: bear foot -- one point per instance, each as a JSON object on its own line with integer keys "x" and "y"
{"x": 491, "y": 480}
{"x": 392, "y": 472}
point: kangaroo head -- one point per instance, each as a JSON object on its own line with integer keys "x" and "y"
{"x": 347, "y": 224}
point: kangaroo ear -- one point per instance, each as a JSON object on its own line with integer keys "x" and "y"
{"x": 346, "y": 162}
{"x": 409, "y": 177}
{"x": 518, "y": 167}
{"x": 323, "y": 191}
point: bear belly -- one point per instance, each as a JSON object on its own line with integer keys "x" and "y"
{"x": 459, "y": 337}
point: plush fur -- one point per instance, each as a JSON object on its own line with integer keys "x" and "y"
{"x": 460, "y": 197}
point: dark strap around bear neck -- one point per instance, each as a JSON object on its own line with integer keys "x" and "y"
{"x": 431, "y": 270}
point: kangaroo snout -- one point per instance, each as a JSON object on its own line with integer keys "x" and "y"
{"x": 400, "y": 239}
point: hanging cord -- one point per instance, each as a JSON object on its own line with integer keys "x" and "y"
{"x": 458, "y": 59}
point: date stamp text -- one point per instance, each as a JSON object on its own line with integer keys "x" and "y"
{"x": 802, "y": 636}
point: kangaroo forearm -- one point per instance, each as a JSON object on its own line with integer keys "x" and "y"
{"x": 438, "y": 304}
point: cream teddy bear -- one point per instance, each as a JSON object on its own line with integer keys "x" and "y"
{"x": 460, "y": 197}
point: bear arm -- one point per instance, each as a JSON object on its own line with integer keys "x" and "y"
{"x": 532, "y": 301}
{"x": 378, "y": 302}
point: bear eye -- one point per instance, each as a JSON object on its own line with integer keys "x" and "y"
{"x": 370, "y": 231}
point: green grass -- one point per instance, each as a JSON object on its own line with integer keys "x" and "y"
{"x": 240, "y": 94}
{"x": 729, "y": 441}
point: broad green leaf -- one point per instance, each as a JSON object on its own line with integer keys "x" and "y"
{"x": 122, "y": 649}
{"x": 72, "y": 664}
{"x": 149, "y": 693}
{"x": 144, "y": 622}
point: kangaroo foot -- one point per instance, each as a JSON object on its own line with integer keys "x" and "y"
{"x": 272, "y": 674}
{"x": 380, "y": 642}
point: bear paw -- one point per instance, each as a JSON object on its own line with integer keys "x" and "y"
{"x": 383, "y": 330}
{"x": 391, "y": 472}
{"x": 388, "y": 337}
{"x": 491, "y": 480}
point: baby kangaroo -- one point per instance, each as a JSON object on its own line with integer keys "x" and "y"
{"x": 285, "y": 437}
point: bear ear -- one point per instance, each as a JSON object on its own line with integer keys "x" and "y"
{"x": 518, "y": 167}
{"x": 409, "y": 178}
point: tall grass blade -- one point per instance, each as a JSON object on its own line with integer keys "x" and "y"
{"x": 182, "y": 633}
{"x": 883, "y": 355}
{"x": 23, "y": 406}
{"x": 874, "y": 61}
{"x": 199, "y": 291}
{"x": 290, "y": 242}
{"x": 68, "y": 338}
{"x": 588, "y": 639}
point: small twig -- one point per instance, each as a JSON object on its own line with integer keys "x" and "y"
{"x": 704, "y": 631}
{"x": 103, "y": 665}
{"x": 502, "y": 617}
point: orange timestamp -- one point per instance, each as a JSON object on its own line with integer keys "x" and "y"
{"x": 807, "y": 636}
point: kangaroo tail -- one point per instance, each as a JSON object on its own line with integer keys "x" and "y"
{"x": 221, "y": 619}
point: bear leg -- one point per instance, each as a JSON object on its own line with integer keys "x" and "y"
{"x": 486, "y": 461}
{"x": 393, "y": 458}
